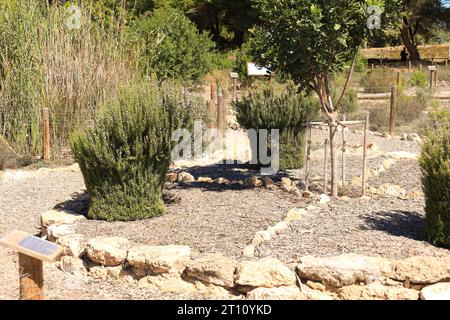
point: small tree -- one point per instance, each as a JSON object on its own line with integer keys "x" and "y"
{"x": 435, "y": 163}
{"x": 309, "y": 41}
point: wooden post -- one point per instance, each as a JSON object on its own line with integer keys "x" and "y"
{"x": 420, "y": 67}
{"x": 398, "y": 79}
{"x": 46, "y": 131}
{"x": 364, "y": 170}
{"x": 409, "y": 65}
{"x": 31, "y": 278}
{"x": 308, "y": 156}
{"x": 344, "y": 145}
{"x": 371, "y": 66}
{"x": 234, "y": 89}
{"x": 211, "y": 112}
{"x": 225, "y": 110}
{"x": 446, "y": 63}
{"x": 431, "y": 78}
{"x": 220, "y": 113}
{"x": 393, "y": 110}
{"x": 213, "y": 93}
{"x": 436, "y": 76}
{"x": 325, "y": 171}
{"x": 333, "y": 159}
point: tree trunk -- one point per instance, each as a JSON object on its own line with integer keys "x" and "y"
{"x": 409, "y": 44}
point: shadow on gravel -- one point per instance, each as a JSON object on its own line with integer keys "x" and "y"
{"x": 78, "y": 203}
{"x": 409, "y": 224}
{"x": 234, "y": 173}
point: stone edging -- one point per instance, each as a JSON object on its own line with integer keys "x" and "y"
{"x": 171, "y": 268}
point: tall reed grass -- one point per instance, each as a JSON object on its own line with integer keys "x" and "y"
{"x": 46, "y": 64}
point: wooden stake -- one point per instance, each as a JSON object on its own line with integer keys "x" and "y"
{"x": 225, "y": 109}
{"x": 344, "y": 145}
{"x": 213, "y": 93}
{"x": 398, "y": 79}
{"x": 333, "y": 159}
{"x": 325, "y": 171}
{"x": 220, "y": 113}
{"x": 364, "y": 170}
{"x": 308, "y": 157}
{"x": 31, "y": 278}
{"x": 431, "y": 78}
{"x": 409, "y": 65}
{"x": 393, "y": 110}
{"x": 211, "y": 112}
{"x": 436, "y": 76}
{"x": 234, "y": 89}
{"x": 46, "y": 131}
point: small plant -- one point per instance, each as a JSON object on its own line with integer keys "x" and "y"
{"x": 435, "y": 164}
{"x": 411, "y": 108}
{"x": 419, "y": 79}
{"x": 126, "y": 154}
{"x": 378, "y": 80}
{"x": 287, "y": 111}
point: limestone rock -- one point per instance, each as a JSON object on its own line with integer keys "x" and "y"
{"x": 388, "y": 163}
{"x": 438, "y": 291}
{"x": 72, "y": 265}
{"x": 59, "y": 217}
{"x": 185, "y": 177}
{"x": 160, "y": 259}
{"x": 343, "y": 270}
{"x": 392, "y": 190}
{"x": 295, "y": 215}
{"x": 264, "y": 234}
{"x": 307, "y": 194}
{"x": 166, "y": 283}
{"x": 253, "y": 182}
{"x": 324, "y": 199}
{"x": 249, "y": 251}
{"x": 377, "y": 291}
{"x": 73, "y": 244}
{"x": 286, "y": 184}
{"x": 107, "y": 251}
{"x": 214, "y": 269}
{"x": 56, "y": 231}
{"x": 266, "y": 272}
{"x": 422, "y": 269}
{"x": 205, "y": 180}
{"x": 287, "y": 293}
{"x": 280, "y": 227}
{"x": 221, "y": 181}
{"x": 172, "y": 177}
{"x": 402, "y": 155}
{"x": 268, "y": 183}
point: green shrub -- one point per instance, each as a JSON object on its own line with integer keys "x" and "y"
{"x": 126, "y": 154}
{"x": 419, "y": 79}
{"x": 287, "y": 111}
{"x": 435, "y": 164}
{"x": 174, "y": 48}
{"x": 378, "y": 80}
{"x": 349, "y": 102}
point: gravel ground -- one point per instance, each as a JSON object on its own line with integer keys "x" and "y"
{"x": 380, "y": 227}
{"x": 217, "y": 218}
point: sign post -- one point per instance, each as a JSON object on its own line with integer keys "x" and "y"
{"x": 32, "y": 252}
{"x": 234, "y": 76}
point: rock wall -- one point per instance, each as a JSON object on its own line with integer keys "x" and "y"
{"x": 172, "y": 269}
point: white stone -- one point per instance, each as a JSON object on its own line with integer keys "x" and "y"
{"x": 392, "y": 190}
{"x": 377, "y": 291}
{"x": 249, "y": 251}
{"x": 324, "y": 199}
{"x": 343, "y": 270}
{"x": 59, "y": 217}
{"x": 160, "y": 259}
{"x": 402, "y": 155}
{"x": 265, "y": 234}
{"x": 438, "y": 291}
{"x": 215, "y": 269}
{"x": 422, "y": 269}
{"x": 73, "y": 244}
{"x": 56, "y": 231}
{"x": 295, "y": 215}
{"x": 108, "y": 251}
{"x": 185, "y": 177}
{"x": 266, "y": 272}
{"x": 72, "y": 265}
{"x": 280, "y": 227}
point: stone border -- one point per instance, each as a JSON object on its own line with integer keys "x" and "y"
{"x": 172, "y": 269}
